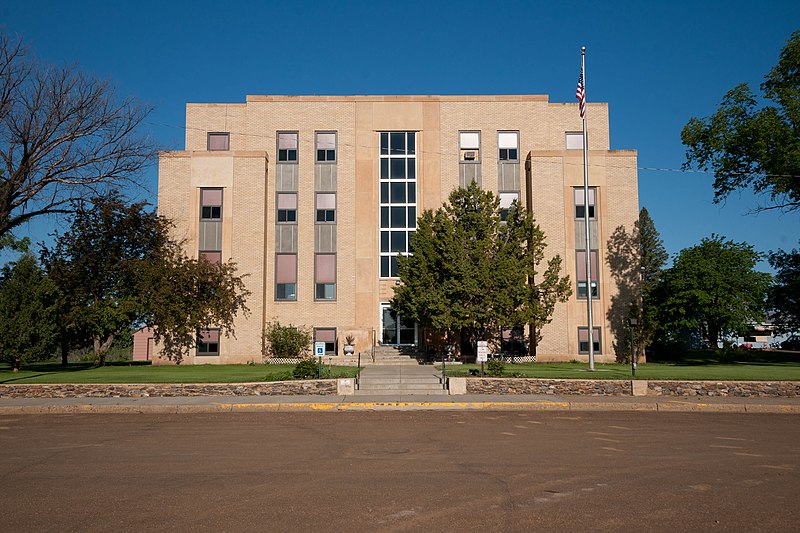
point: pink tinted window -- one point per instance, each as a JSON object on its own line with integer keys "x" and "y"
{"x": 212, "y": 257}
{"x": 326, "y": 335}
{"x": 210, "y": 197}
{"x": 286, "y": 268}
{"x": 326, "y": 268}
{"x": 219, "y": 141}
{"x": 209, "y": 335}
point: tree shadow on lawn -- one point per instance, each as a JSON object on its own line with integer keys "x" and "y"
{"x": 744, "y": 358}
{"x": 49, "y": 369}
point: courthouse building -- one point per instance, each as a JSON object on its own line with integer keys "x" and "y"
{"x": 314, "y": 196}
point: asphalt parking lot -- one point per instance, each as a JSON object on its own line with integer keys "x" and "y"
{"x": 400, "y": 471}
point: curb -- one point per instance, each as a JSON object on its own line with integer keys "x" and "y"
{"x": 666, "y": 406}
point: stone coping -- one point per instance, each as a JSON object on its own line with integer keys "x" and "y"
{"x": 608, "y": 387}
{"x": 326, "y": 387}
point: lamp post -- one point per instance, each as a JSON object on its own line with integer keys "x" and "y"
{"x": 633, "y": 323}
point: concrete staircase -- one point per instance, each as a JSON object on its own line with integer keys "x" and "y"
{"x": 400, "y": 380}
{"x": 384, "y": 356}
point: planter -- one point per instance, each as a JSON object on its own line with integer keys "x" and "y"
{"x": 349, "y": 349}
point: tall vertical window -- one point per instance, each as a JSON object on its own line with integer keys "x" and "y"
{"x": 210, "y": 204}
{"x": 210, "y": 237}
{"x": 326, "y": 147}
{"x": 287, "y": 207}
{"x": 580, "y": 264}
{"x": 326, "y": 207}
{"x": 287, "y": 147}
{"x": 325, "y": 276}
{"x": 469, "y": 143}
{"x": 583, "y": 340}
{"x": 219, "y": 141}
{"x": 580, "y": 204}
{"x": 286, "y": 276}
{"x": 508, "y": 145}
{"x": 507, "y": 199}
{"x": 398, "y": 197}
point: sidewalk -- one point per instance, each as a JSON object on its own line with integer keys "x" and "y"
{"x": 487, "y": 402}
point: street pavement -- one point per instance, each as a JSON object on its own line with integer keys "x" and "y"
{"x": 467, "y": 470}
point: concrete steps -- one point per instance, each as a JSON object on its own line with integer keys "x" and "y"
{"x": 399, "y": 379}
{"x": 384, "y": 356}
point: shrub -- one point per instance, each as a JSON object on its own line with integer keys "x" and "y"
{"x": 285, "y": 341}
{"x": 307, "y": 368}
{"x": 495, "y": 368}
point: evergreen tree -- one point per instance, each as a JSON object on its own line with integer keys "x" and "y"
{"x": 28, "y": 325}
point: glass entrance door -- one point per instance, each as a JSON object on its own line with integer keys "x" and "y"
{"x": 395, "y": 330}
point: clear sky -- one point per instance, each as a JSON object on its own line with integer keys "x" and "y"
{"x": 656, "y": 63}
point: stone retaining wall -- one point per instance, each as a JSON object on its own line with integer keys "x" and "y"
{"x": 271, "y": 388}
{"x": 592, "y": 387}
{"x": 756, "y": 389}
{"x": 606, "y": 387}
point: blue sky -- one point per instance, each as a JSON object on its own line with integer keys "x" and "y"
{"x": 656, "y": 63}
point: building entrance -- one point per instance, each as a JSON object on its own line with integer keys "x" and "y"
{"x": 395, "y": 330}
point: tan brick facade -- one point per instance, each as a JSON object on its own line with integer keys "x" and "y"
{"x": 247, "y": 175}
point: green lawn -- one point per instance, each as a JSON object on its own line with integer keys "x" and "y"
{"x": 734, "y": 371}
{"x": 136, "y": 373}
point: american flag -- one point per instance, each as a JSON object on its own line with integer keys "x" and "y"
{"x": 580, "y": 94}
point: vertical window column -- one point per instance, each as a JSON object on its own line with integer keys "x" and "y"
{"x": 398, "y": 197}
{"x": 325, "y": 181}
{"x": 582, "y": 209}
{"x": 210, "y": 237}
{"x": 508, "y": 177}
{"x": 286, "y": 179}
{"x": 469, "y": 158}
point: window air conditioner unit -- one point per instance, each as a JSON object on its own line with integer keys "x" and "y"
{"x": 470, "y": 156}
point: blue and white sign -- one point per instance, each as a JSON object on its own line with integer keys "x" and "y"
{"x": 319, "y": 349}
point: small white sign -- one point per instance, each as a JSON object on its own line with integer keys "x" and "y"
{"x": 319, "y": 349}
{"x": 483, "y": 351}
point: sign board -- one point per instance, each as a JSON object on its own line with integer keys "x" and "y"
{"x": 319, "y": 349}
{"x": 483, "y": 351}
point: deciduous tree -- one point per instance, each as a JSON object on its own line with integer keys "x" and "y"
{"x": 119, "y": 268}
{"x": 749, "y": 144}
{"x": 714, "y": 286}
{"x": 784, "y": 295}
{"x": 64, "y": 135}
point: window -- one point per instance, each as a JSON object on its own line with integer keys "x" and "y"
{"x": 328, "y": 336}
{"x": 469, "y": 143}
{"x": 212, "y": 257}
{"x": 326, "y": 207}
{"x": 507, "y": 199}
{"x": 574, "y": 140}
{"x": 210, "y": 204}
{"x": 583, "y": 340}
{"x": 580, "y": 205}
{"x": 580, "y": 264}
{"x": 219, "y": 141}
{"x": 398, "y": 197}
{"x": 325, "y": 277}
{"x": 287, "y": 207}
{"x": 287, "y": 147}
{"x": 508, "y": 144}
{"x": 208, "y": 341}
{"x": 286, "y": 277}
{"x": 326, "y": 147}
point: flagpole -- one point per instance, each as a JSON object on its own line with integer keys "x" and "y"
{"x": 590, "y": 329}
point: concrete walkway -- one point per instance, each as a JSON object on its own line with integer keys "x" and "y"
{"x": 403, "y": 402}
{"x": 401, "y": 380}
